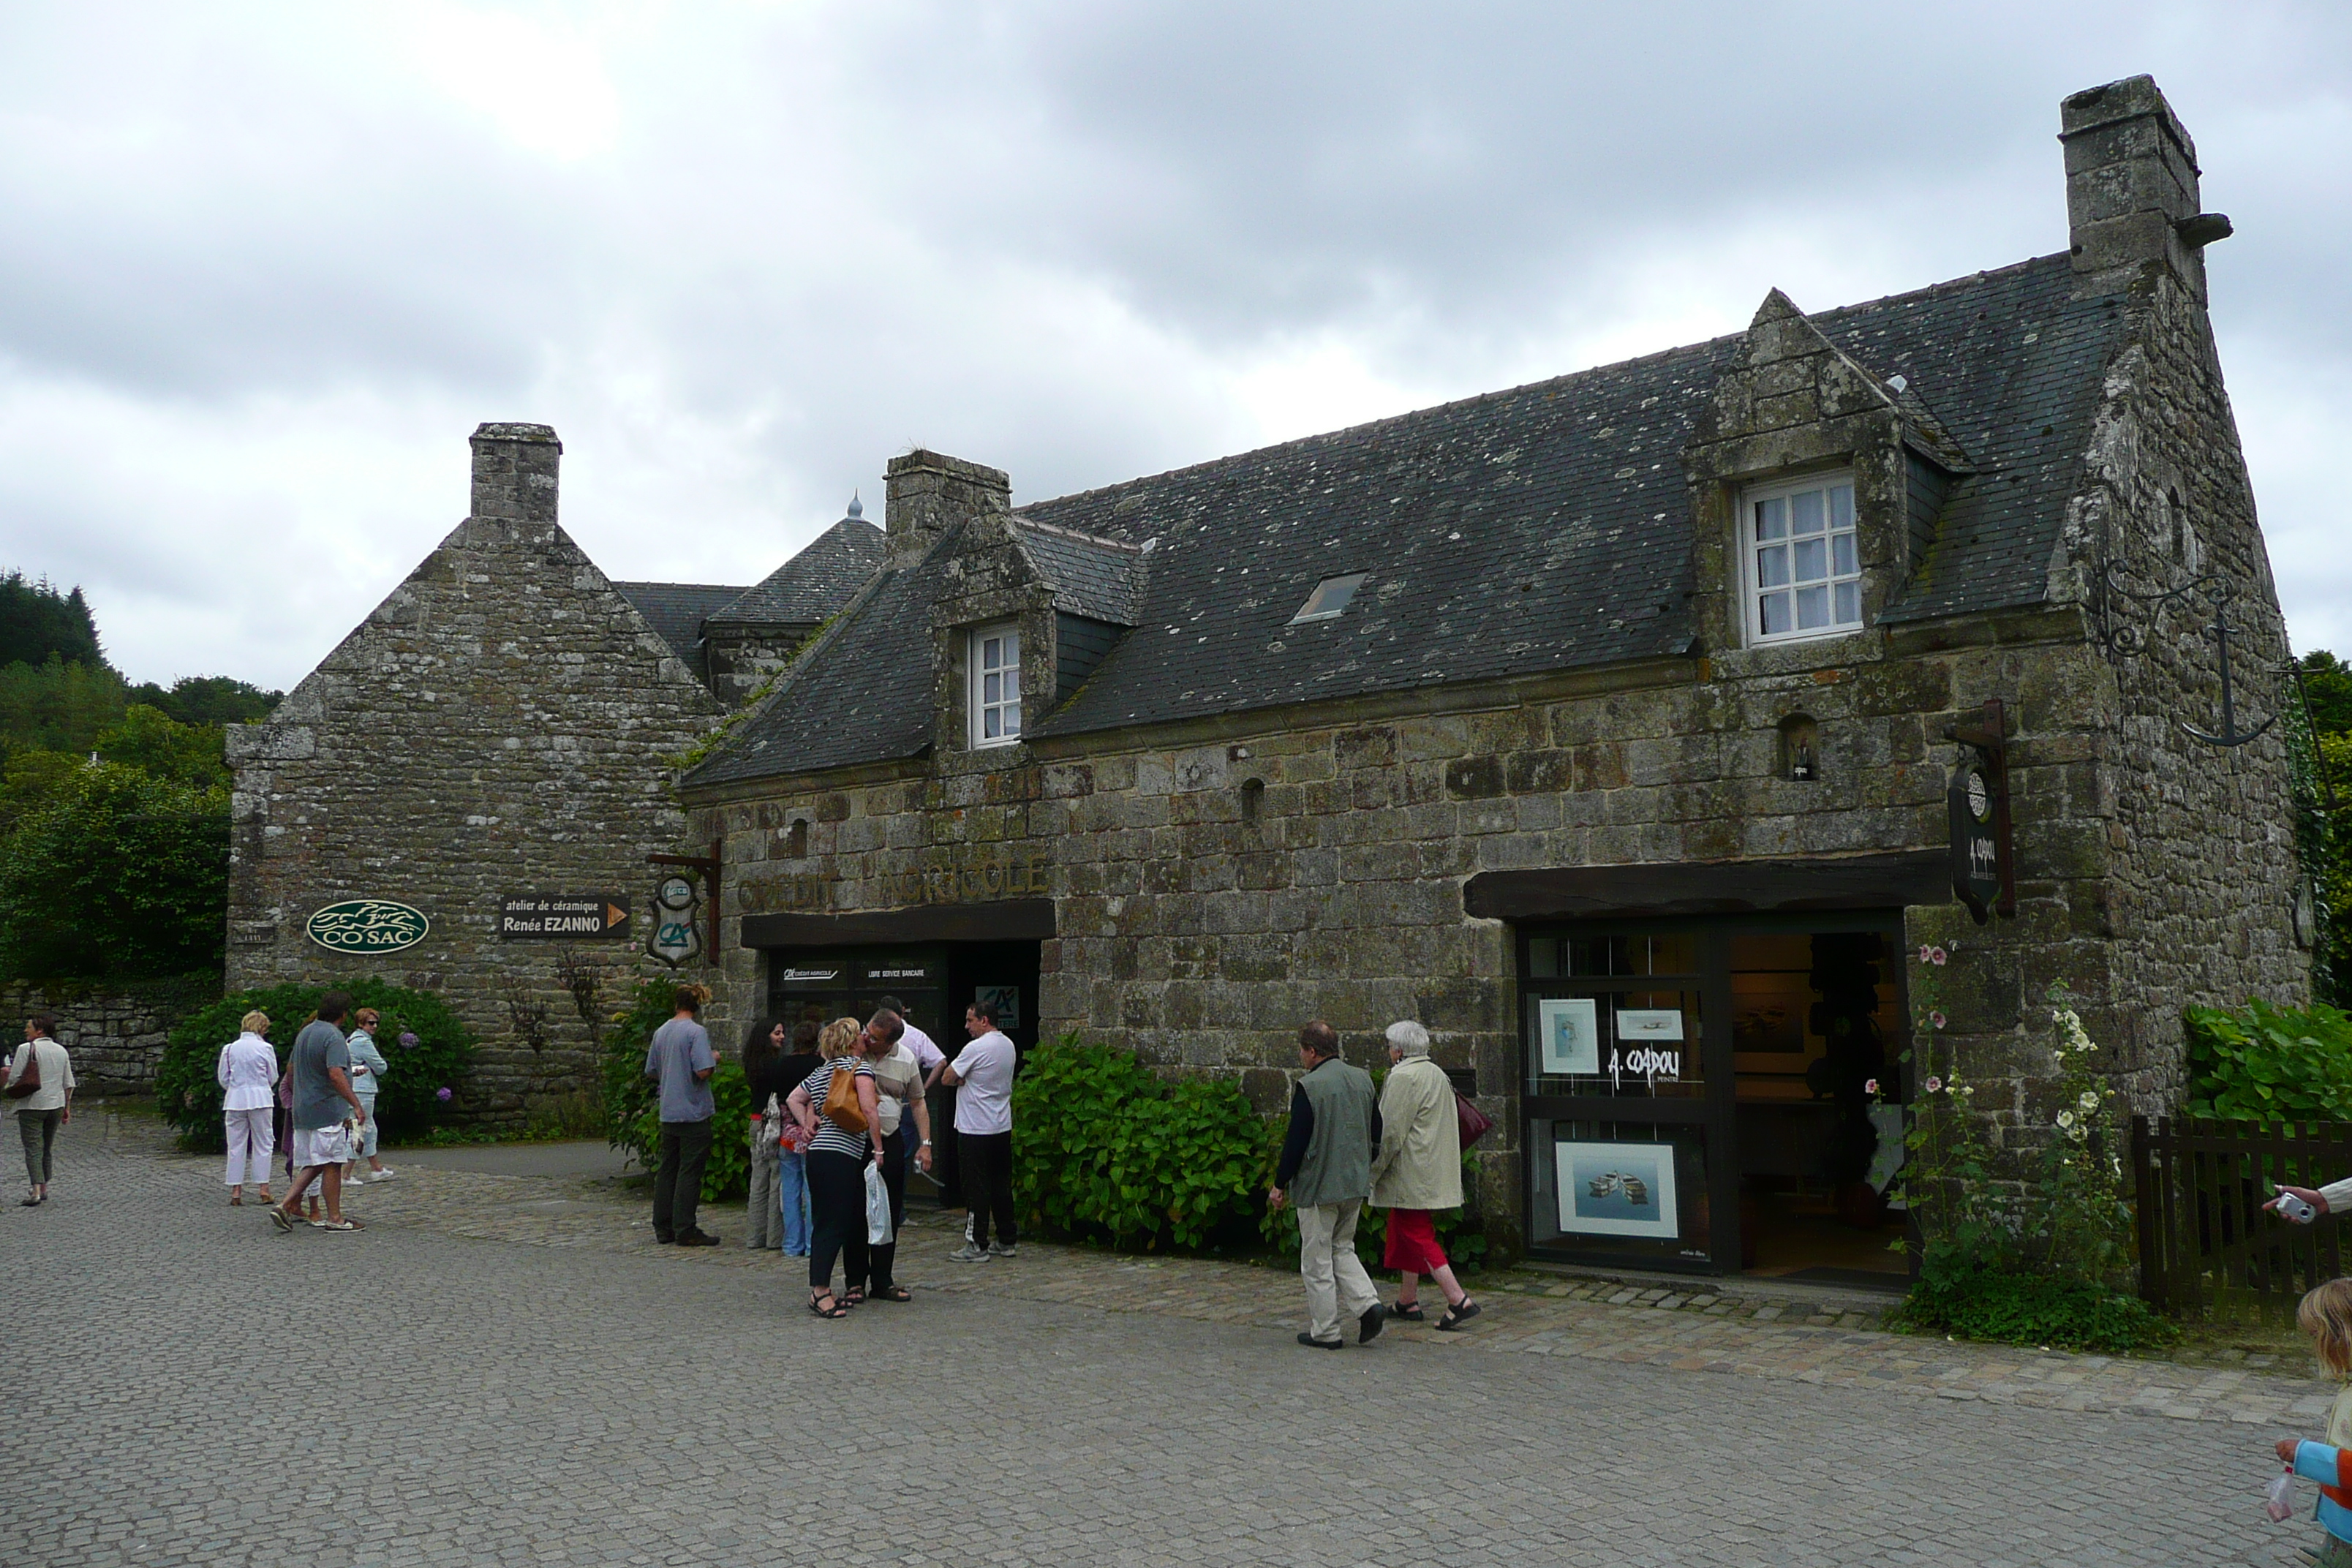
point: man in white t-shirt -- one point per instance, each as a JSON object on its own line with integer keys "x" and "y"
{"x": 983, "y": 1075}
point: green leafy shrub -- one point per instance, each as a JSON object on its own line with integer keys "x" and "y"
{"x": 1104, "y": 1151}
{"x": 1980, "y": 1301}
{"x": 2260, "y": 1063}
{"x": 632, "y": 1101}
{"x": 409, "y": 1105}
{"x": 117, "y": 875}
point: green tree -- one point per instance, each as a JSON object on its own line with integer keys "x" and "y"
{"x": 118, "y": 876}
{"x": 57, "y": 705}
{"x": 2328, "y": 690}
{"x": 208, "y": 699}
{"x": 39, "y": 624}
{"x": 148, "y": 740}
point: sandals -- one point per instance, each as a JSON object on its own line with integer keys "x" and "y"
{"x": 857, "y": 1296}
{"x": 823, "y": 1305}
{"x": 338, "y": 1224}
{"x": 893, "y": 1293}
{"x": 236, "y": 1201}
{"x": 1407, "y": 1312}
{"x": 1457, "y": 1316}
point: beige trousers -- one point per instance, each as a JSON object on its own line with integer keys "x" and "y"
{"x": 1337, "y": 1288}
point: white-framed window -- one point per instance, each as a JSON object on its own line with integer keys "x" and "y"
{"x": 1801, "y": 565}
{"x": 995, "y": 686}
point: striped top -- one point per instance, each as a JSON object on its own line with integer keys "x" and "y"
{"x": 829, "y": 1139}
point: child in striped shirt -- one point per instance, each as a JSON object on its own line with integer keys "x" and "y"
{"x": 2326, "y": 1314}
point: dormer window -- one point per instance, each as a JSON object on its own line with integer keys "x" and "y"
{"x": 996, "y": 703}
{"x": 1800, "y": 564}
{"x": 1331, "y": 598}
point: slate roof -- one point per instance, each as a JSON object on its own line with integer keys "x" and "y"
{"x": 678, "y": 611}
{"x": 1099, "y": 578}
{"x": 1542, "y": 527}
{"x": 814, "y": 584}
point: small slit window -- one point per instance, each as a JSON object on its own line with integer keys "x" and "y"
{"x": 995, "y": 686}
{"x": 1331, "y": 598}
{"x": 1799, "y": 556}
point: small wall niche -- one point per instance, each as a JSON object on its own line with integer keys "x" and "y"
{"x": 1801, "y": 750}
{"x": 796, "y": 841}
{"x": 1253, "y": 799}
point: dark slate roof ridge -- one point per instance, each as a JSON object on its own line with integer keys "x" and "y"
{"x": 808, "y": 664}
{"x": 691, "y": 587}
{"x": 763, "y": 601}
{"x": 1068, "y": 533}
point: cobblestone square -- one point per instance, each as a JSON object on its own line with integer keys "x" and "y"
{"x": 505, "y": 1369}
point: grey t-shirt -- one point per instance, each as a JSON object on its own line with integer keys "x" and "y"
{"x": 680, "y": 1049}
{"x": 319, "y": 1047}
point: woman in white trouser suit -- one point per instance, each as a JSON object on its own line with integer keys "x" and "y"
{"x": 247, "y": 1070}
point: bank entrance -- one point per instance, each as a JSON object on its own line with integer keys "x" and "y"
{"x": 1717, "y": 1095}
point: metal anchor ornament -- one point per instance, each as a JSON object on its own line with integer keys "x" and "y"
{"x": 2130, "y": 640}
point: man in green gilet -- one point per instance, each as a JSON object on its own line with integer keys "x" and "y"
{"x": 1325, "y": 1174}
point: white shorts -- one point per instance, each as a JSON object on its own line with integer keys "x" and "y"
{"x": 322, "y": 1146}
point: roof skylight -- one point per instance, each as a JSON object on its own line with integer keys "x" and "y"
{"x": 1331, "y": 598}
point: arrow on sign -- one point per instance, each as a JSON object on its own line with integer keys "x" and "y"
{"x": 616, "y": 917}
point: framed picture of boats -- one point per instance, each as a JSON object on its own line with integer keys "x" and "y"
{"x": 1618, "y": 1189}
{"x": 1568, "y": 1030}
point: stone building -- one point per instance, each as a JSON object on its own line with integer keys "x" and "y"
{"x": 1600, "y": 724}
{"x": 505, "y": 726}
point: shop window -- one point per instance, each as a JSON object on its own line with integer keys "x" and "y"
{"x": 1800, "y": 560}
{"x": 996, "y": 703}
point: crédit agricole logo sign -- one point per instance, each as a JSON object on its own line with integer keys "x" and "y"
{"x": 368, "y": 926}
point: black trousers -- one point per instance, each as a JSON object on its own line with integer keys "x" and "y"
{"x": 677, "y": 1184}
{"x": 837, "y": 1215}
{"x": 880, "y": 1260}
{"x": 986, "y": 1159}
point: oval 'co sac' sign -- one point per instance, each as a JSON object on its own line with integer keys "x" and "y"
{"x": 368, "y": 926}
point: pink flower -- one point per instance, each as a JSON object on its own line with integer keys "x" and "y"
{"x": 1936, "y": 1018}
{"x": 1924, "y": 957}
{"x": 1935, "y": 956}
{"x": 1870, "y": 1088}
{"x": 442, "y": 1093}
{"x": 1935, "y": 1085}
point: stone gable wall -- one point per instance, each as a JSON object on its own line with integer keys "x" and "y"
{"x": 503, "y": 723}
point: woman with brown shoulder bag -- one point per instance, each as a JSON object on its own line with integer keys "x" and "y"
{"x": 837, "y": 1106}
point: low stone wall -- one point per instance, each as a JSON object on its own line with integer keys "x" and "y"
{"x": 115, "y": 1040}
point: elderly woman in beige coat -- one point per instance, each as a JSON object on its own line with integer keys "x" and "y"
{"x": 1419, "y": 1170}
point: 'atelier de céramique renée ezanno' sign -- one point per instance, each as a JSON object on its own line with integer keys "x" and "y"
{"x": 570, "y": 916}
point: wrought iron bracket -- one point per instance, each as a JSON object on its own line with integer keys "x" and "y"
{"x": 2128, "y": 640}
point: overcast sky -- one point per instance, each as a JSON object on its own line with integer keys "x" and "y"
{"x": 266, "y": 266}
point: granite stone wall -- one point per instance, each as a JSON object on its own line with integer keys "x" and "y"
{"x": 116, "y": 1039}
{"x": 503, "y": 723}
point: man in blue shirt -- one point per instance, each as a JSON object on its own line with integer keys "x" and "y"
{"x": 681, "y": 1057}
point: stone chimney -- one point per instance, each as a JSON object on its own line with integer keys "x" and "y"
{"x": 928, "y": 494}
{"x": 514, "y": 471}
{"x": 2131, "y": 189}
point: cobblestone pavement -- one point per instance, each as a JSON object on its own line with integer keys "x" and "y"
{"x": 505, "y": 1369}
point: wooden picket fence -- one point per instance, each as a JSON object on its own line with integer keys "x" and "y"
{"x": 2207, "y": 1250}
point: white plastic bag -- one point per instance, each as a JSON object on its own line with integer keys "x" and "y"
{"x": 877, "y": 1207}
{"x": 2279, "y": 1501}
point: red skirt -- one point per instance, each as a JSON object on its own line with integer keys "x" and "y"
{"x": 1413, "y": 1243}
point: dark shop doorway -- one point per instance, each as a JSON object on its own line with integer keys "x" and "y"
{"x": 1718, "y": 1095}
{"x": 937, "y": 981}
